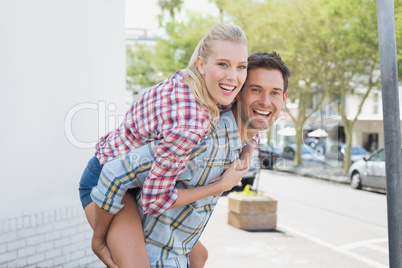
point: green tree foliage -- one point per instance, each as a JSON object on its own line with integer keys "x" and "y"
{"x": 398, "y": 31}
{"x": 140, "y": 71}
{"x": 269, "y": 26}
{"x": 174, "y": 51}
{"x": 169, "y": 7}
{"x": 354, "y": 59}
{"x": 148, "y": 66}
{"x": 329, "y": 45}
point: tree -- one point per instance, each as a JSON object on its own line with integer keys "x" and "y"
{"x": 140, "y": 71}
{"x": 354, "y": 59}
{"x": 174, "y": 51}
{"x": 171, "y": 7}
{"x": 398, "y": 31}
{"x": 148, "y": 66}
{"x": 328, "y": 44}
{"x": 269, "y": 27}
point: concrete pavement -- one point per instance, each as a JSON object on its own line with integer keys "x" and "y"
{"x": 282, "y": 248}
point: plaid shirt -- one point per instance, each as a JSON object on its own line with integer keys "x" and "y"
{"x": 171, "y": 235}
{"x": 167, "y": 112}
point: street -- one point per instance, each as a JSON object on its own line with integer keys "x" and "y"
{"x": 320, "y": 224}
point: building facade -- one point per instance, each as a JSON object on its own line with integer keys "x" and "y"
{"x": 62, "y": 86}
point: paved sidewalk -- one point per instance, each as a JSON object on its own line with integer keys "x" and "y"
{"x": 282, "y": 248}
{"x": 230, "y": 247}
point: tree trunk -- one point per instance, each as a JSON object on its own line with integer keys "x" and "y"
{"x": 299, "y": 142}
{"x": 347, "y": 161}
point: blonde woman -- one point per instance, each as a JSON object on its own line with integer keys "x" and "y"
{"x": 179, "y": 113}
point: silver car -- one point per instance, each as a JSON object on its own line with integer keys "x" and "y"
{"x": 369, "y": 171}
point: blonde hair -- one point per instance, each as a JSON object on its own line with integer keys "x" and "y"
{"x": 193, "y": 77}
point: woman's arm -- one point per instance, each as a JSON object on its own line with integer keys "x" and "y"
{"x": 102, "y": 223}
{"x": 226, "y": 182}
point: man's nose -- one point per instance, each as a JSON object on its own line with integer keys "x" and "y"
{"x": 265, "y": 99}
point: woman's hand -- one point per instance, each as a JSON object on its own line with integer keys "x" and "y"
{"x": 231, "y": 177}
{"x": 101, "y": 250}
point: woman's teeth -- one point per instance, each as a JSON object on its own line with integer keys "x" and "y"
{"x": 227, "y": 88}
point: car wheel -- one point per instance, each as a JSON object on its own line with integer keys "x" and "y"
{"x": 356, "y": 180}
{"x": 265, "y": 163}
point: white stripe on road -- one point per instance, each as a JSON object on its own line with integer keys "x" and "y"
{"x": 377, "y": 248}
{"x": 368, "y": 244}
{"x": 333, "y": 247}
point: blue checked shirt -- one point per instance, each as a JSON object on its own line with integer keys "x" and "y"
{"x": 171, "y": 235}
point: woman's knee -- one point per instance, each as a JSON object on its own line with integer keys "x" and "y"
{"x": 198, "y": 256}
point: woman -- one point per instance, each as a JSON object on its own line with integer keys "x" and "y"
{"x": 179, "y": 113}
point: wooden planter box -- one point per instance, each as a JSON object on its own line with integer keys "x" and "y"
{"x": 252, "y": 213}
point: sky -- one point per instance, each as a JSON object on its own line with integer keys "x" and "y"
{"x": 143, "y": 14}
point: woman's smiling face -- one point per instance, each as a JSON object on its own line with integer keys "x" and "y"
{"x": 225, "y": 70}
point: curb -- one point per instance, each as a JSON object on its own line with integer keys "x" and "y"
{"x": 334, "y": 178}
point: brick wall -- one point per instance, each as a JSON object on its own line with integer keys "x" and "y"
{"x": 58, "y": 238}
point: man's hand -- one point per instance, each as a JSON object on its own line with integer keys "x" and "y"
{"x": 101, "y": 250}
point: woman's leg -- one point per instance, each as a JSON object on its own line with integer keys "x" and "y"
{"x": 198, "y": 255}
{"x": 125, "y": 237}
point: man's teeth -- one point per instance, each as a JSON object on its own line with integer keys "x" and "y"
{"x": 227, "y": 88}
{"x": 262, "y": 112}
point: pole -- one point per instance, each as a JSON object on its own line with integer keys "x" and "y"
{"x": 392, "y": 129}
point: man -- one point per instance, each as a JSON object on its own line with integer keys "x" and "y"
{"x": 170, "y": 236}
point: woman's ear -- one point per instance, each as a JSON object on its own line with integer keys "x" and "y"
{"x": 200, "y": 65}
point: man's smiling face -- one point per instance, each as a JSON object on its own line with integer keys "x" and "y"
{"x": 261, "y": 99}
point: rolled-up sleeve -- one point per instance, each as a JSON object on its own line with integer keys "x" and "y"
{"x": 109, "y": 192}
{"x": 120, "y": 174}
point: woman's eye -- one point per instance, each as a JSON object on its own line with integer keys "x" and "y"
{"x": 243, "y": 67}
{"x": 222, "y": 64}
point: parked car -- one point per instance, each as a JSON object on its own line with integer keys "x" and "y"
{"x": 369, "y": 171}
{"x": 338, "y": 152}
{"x": 307, "y": 154}
{"x": 317, "y": 144}
{"x": 267, "y": 155}
{"x": 253, "y": 171}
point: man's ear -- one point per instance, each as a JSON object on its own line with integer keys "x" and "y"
{"x": 284, "y": 98}
{"x": 200, "y": 65}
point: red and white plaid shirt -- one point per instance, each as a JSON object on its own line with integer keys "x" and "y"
{"x": 167, "y": 112}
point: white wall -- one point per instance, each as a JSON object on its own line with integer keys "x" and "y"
{"x": 54, "y": 55}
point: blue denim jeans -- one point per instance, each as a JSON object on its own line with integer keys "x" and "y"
{"x": 89, "y": 179}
